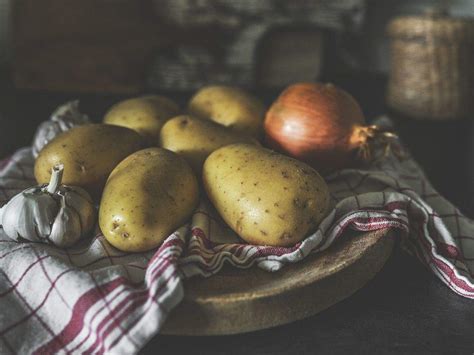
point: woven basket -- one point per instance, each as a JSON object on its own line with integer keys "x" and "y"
{"x": 432, "y": 71}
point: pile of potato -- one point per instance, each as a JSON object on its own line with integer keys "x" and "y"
{"x": 147, "y": 162}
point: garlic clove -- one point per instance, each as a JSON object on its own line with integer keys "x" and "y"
{"x": 66, "y": 229}
{"x": 27, "y": 216}
{"x": 11, "y": 222}
{"x": 80, "y": 201}
{"x": 44, "y": 209}
{"x": 27, "y": 224}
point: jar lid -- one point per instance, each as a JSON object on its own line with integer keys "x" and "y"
{"x": 433, "y": 25}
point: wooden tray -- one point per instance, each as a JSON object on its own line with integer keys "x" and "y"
{"x": 237, "y": 301}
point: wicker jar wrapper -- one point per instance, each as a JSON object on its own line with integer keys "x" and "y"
{"x": 431, "y": 74}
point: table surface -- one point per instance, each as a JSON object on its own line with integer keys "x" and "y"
{"x": 405, "y": 309}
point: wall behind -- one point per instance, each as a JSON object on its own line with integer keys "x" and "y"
{"x": 5, "y": 18}
{"x": 375, "y": 43}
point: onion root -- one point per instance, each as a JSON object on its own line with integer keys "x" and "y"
{"x": 367, "y": 138}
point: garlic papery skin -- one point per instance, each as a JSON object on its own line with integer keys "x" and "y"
{"x": 63, "y": 119}
{"x": 53, "y": 213}
{"x": 27, "y": 216}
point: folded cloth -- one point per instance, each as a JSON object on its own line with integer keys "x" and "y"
{"x": 94, "y": 298}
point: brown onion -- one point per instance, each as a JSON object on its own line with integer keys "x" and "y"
{"x": 319, "y": 124}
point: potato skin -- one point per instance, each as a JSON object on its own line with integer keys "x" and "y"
{"x": 89, "y": 153}
{"x": 194, "y": 139}
{"x": 145, "y": 114}
{"x": 229, "y": 106}
{"x": 147, "y": 197}
{"x": 265, "y": 197}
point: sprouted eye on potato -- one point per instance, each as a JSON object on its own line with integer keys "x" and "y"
{"x": 265, "y": 197}
{"x": 194, "y": 138}
{"x": 145, "y": 114}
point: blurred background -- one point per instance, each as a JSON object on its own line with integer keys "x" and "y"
{"x": 101, "y": 51}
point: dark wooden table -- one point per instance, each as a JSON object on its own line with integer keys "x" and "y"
{"x": 405, "y": 309}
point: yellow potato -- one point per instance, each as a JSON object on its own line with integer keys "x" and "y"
{"x": 89, "y": 153}
{"x": 229, "y": 106}
{"x": 265, "y": 197}
{"x": 195, "y": 139}
{"x": 146, "y": 115}
{"x": 147, "y": 197}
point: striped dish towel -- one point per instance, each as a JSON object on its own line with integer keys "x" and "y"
{"x": 94, "y": 298}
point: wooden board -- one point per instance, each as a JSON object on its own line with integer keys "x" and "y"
{"x": 237, "y": 301}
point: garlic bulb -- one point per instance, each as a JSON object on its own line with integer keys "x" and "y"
{"x": 52, "y": 213}
{"x": 63, "y": 119}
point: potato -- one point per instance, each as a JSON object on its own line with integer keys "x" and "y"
{"x": 146, "y": 115}
{"x": 265, "y": 197}
{"x": 194, "y": 139}
{"x": 89, "y": 153}
{"x": 230, "y": 107}
{"x": 147, "y": 197}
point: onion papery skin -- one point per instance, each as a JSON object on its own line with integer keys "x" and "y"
{"x": 317, "y": 123}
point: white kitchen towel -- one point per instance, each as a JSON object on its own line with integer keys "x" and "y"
{"x": 94, "y": 298}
